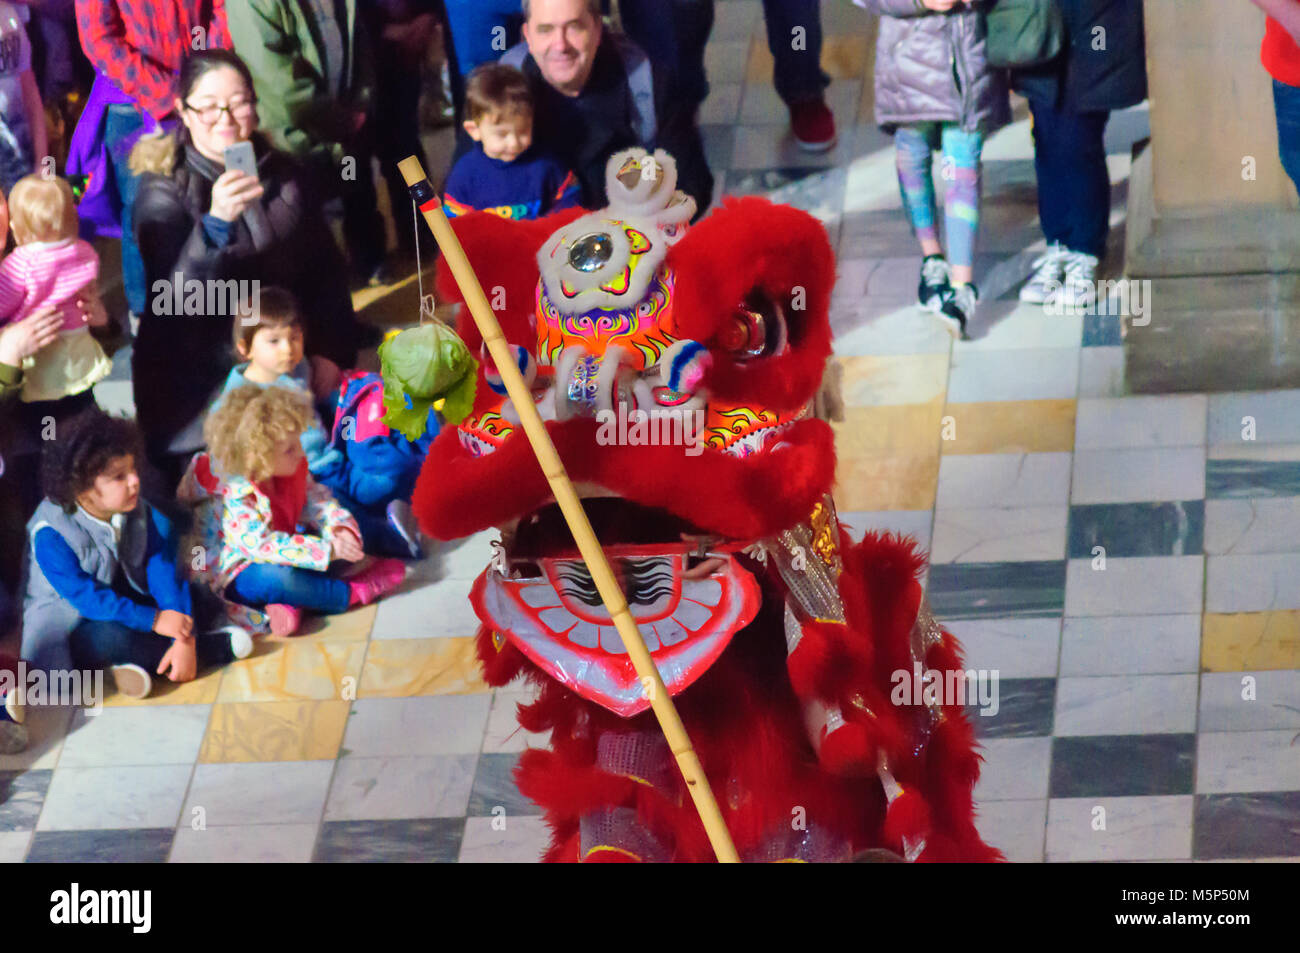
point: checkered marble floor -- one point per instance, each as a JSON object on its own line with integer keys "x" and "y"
{"x": 1129, "y": 565}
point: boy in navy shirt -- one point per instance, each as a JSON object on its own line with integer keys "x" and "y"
{"x": 503, "y": 174}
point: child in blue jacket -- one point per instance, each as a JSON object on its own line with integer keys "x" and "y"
{"x": 376, "y": 467}
{"x": 103, "y": 589}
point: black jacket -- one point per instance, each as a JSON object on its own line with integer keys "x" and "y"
{"x": 584, "y": 131}
{"x": 180, "y": 362}
{"x": 1104, "y": 64}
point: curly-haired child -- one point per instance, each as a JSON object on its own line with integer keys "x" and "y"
{"x": 264, "y": 557}
{"x": 103, "y": 590}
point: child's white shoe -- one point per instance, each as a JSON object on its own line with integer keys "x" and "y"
{"x": 132, "y": 680}
{"x": 241, "y": 640}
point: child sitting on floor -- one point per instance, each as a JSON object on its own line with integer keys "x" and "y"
{"x": 103, "y": 589}
{"x": 278, "y": 530}
{"x": 370, "y": 470}
{"x": 269, "y": 341}
{"x": 504, "y": 174}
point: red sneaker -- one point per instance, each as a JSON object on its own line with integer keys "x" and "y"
{"x": 813, "y": 125}
{"x": 285, "y": 619}
{"x": 383, "y": 575}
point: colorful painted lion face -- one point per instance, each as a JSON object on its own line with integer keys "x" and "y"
{"x": 675, "y": 367}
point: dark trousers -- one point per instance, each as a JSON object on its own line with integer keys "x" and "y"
{"x": 264, "y": 584}
{"x": 96, "y": 644}
{"x": 1073, "y": 184}
{"x": 354, "y": 200}
{"x": 397, "y": 135}
{"x": 1286, "y": 104}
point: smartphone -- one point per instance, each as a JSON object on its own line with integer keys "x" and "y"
{"x": 240, "y": 156}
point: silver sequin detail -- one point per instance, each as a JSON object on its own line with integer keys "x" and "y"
{"x": 793, "y": 630}
{"x": 620, "y": 828}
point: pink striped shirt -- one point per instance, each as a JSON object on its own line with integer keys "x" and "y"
{"x": 44, "y": 273}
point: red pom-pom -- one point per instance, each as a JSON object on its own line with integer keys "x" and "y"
{"x": 908, "y": 816}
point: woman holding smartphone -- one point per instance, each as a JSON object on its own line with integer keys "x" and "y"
{"x": 197, "y": 220}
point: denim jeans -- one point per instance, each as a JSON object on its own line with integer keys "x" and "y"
{"x": 120, "y": 123}
{"x": 1073, "y": 184}
{"x": 263, "y": 584}
{"x": 1286, "y": 104}
{"x": 101, "y": 644}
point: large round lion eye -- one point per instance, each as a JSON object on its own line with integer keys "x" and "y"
{"x": 591, "y": 252}
{"x": 756, "y": 329}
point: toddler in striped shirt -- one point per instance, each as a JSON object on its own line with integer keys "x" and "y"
{"x": 51, "y": 266}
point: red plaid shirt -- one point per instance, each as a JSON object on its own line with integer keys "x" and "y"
{"x": 139, "y": 44}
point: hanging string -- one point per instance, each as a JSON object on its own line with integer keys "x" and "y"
{"x": 426, "y": 301}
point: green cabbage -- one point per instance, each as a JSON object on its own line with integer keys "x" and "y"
{"x": 421, "y": 366}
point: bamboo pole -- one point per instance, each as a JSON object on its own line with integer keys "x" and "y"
{"x": 570, "y": 505}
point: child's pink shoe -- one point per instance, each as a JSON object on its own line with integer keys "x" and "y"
{"x": 383, "y": 575}
{"x": 285, "y": 619}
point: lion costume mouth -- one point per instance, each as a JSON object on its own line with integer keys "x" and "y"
{"x": 688, "y": 593}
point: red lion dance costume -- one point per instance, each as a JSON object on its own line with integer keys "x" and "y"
{"x": 779, "y": 640}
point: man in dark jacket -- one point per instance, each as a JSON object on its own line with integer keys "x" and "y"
{"x": 596, "y": 93}
{"x": 1103, "y": 67}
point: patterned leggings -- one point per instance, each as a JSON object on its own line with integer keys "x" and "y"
{"x": 961, "y": 170}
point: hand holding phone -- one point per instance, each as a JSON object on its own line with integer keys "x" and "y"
{"x": 239, "y": 156}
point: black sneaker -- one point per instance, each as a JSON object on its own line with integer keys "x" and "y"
{"x": 959, "y": 309}
{"x": 936, "y": 283}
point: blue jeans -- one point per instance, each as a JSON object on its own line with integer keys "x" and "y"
{"x": 120, "y": 123}
{"x": 263, "y": 584}
{"x": 1073, "y": 184}
{"x": 95, "y": 644}
{"x": 481, "y": 30}
{"x": 1286, "y": 104}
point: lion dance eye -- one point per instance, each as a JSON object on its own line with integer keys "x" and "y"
{"x": 744, "y": 335}
{"x": 756, "y": 329}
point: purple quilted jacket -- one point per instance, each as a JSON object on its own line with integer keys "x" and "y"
{"x": 931, "y": 66}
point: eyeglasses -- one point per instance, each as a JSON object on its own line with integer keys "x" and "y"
{"x": 209, "y": 115}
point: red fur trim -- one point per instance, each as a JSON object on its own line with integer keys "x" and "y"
{"x": 458, "y": 494}
{"x": 500, "y": 666}
{"x": 751, "y": 243}
{"x": 503, "y": 254}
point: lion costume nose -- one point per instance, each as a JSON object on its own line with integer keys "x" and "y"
{"x": 588, "y": 383}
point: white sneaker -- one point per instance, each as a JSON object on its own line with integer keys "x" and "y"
{"x": 241, "y": 641}
{"x": 15, "y": 709}
{"x": 132, "y": 680}
{"x": 1049, "y": 270}
{"x": 1079, "y": 284}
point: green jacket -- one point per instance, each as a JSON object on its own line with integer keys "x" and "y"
{"x": 281, "y": 45}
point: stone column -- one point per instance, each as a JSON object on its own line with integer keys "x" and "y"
{"x": 1213, "y": 221}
